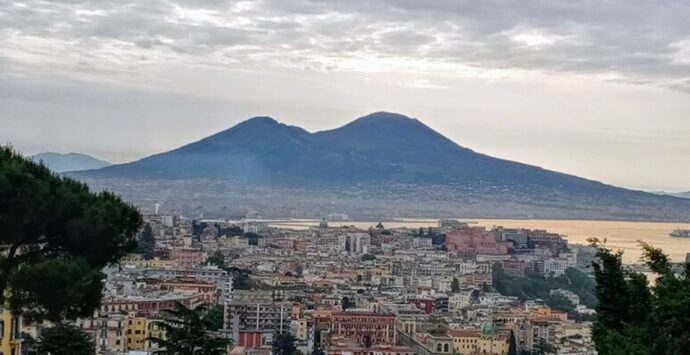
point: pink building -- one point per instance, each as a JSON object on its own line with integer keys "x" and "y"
{"x": 207, "y": 290}
{"x": 426, "y": 304}
{"x": 379, "y": 328}
{"x": 186, "y": 257}
{"x": 475, "y": 240}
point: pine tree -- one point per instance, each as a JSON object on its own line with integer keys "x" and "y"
{"x": 634, "y": 318}
{"x": 284, "y": 344}
{"x": 188, "y": 331}
{"x": 55, "y": 237}
{"x": 147, "y": 242}
{"x": 455, "y": 285}
{"x": 65, "y": 339}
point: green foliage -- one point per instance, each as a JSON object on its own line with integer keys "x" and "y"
{"x": 64, "y": 339}
{"x": 635, "y": 318}
{"x": 543, "y": 347}
{"x": 346, "y": 303}
{"x": 45, "y": 217}
{"x": 240, "y": 278}
{"x": 214, "y": 315}
{"x": 455, "y": 285}
{"x": 366, "y": 257}
{"x": 217, "y": 259}
{"x": 560, "y": 303}
{"x": 284, "y": 344}
{"x": 189, "y": 331}
{"x": 147, "y": 242}
{"x": 33, "y": 289}
{"x": 525, "y": 288}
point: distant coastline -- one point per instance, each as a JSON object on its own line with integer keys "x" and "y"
{"x": 621, "y": 235}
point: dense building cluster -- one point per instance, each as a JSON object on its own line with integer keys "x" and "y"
{"x": 345, "y": 290}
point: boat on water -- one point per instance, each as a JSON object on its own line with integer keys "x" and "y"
{"x": 681, "y": 233}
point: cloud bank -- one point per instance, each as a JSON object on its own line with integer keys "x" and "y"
{"x": 630, "y": 41}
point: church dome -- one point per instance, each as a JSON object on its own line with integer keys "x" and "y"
{"x": 488, "y": 329}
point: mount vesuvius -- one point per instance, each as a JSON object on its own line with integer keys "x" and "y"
{"x": 392, "y": 157}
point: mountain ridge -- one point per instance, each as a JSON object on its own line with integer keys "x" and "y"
{"x": 377, "y": 149}
{"x": 65, "y": 162}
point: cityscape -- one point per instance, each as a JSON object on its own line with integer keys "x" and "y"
{"x": 325, "y": 177}
{"x": 341, "y": 290}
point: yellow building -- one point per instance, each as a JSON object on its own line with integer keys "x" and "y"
{"x": 406, "y": 324}
{"x": 138, "y": 261}
{"x": 486, "y": 340}
{"x": 541, "y": 311}
{"x": 11, "y": 341}
{"x": 136, "y": 332}
{"x": 153, "y": 330}
{"x": 139, "y": 330}
{"x": 464, "y": 341}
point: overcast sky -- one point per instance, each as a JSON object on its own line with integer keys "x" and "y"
{"x": 600, "y": 89}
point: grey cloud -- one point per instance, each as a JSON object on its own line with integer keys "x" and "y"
{"x": 632, "y": 39}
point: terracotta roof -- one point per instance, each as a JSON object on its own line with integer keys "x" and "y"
{"x": 464, "y": 333}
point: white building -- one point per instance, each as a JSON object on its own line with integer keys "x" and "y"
{"x": 421, "y": 242}
{"x": 224, "y": 284}
{"x": 359, "y": 242}
{"x": 442, "y": 284}
{"x": 555, "y": 267}
{"x": 495, "y": 299}
{"x": 458, "y": 301}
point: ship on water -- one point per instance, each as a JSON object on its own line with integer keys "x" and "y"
{"x": 681, "y": 233}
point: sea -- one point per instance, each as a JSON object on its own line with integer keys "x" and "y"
{"x": 619, "y": 235}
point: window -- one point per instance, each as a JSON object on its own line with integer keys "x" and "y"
{"x": 15, "y": 328}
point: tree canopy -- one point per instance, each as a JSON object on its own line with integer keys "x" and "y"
{"x": 634, "y": 317}
{"x": 188, "y": 331}
{"x": 147, "y": 242}
{"x": 216, "y": 259}
{"x": 346, "y": 303}
{"x": 56, "y": 237}
{"x": 64, "y": 339}
{"x": 533, "y": 287}
{"x": 214, "y": 316}
{"x": 366, "y": 257}
{"x": 455, "y": 285}
{"x": 284, "y": 344}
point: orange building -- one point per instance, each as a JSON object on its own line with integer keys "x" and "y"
{"x": 186, "y": 257}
